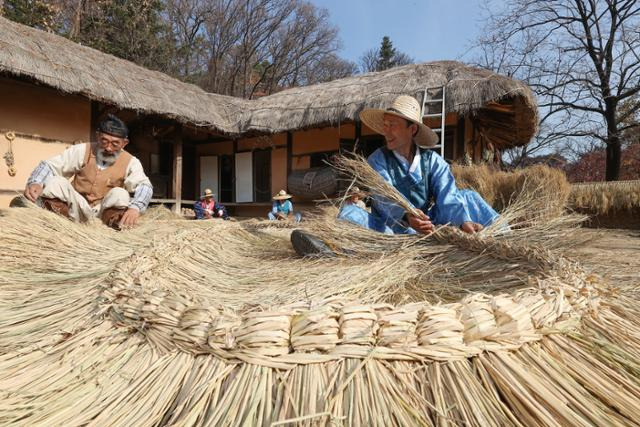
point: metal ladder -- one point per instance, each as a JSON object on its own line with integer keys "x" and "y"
{"x": 425, "y": 102}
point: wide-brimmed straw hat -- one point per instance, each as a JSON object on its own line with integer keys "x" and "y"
{"x": 408, "y": 108}
{"x": 207, "y": 193}
{"x": 282, "y": 195}
{"x": 355, "y": 191}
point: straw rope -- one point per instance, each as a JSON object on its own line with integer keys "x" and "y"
{"x": 337, "y": 328}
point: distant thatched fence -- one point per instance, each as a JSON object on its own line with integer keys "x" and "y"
{"x": 610, "y": 204}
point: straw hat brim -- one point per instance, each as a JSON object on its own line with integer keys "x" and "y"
{"x": 374, "y": 118}
{"x": 285, "y": 197}
{"x": 356, "y": 193}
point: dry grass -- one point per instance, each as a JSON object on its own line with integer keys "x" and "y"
{"x": 218, "y": 323}
{"x": 479, "y": 178}
{"x": 600, "y": 198}
{"x": 501, "y": 189}
{"x": 160, "y": 213}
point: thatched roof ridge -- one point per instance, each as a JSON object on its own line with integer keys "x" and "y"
{"x": 467, "y": 90}
{"x": 72, "y": 68}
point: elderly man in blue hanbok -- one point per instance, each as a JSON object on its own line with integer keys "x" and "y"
{"x": 420, "y": 174}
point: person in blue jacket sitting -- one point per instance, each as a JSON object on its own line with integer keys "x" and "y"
{"x": 282, "y": 208}
{"x": 420, "y": 174}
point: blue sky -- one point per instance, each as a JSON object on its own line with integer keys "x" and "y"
{"x": 426, "y": 30}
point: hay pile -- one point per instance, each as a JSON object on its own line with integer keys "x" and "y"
{"x": 610, "y": 204}
{"x": 218, "y": 323}
{"x": 600, "y": 198}
{"x": 500, "y": 189}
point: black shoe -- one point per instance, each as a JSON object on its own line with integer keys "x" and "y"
{"x": 18, "y": 202}
{"x": 306, "y": 244}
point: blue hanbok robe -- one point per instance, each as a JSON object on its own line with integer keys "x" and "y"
{"x": 428, "y": 184}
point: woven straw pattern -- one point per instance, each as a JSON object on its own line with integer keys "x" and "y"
{"x": 141, "y": 328}
{"x": 296, "y": 335}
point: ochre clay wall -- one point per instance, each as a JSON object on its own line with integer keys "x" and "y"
{"x": 45, "y": 122}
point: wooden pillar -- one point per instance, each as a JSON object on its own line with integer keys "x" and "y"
{"x": 289, "y": 153}
{"x": 177, "y": 173}
{"x": 458, "y": 146}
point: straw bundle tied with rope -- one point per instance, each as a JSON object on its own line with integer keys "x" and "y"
{"x": 146, "y": 328}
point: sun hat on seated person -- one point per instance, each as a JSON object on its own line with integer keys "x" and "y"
{"x": 207, "y": 193}
{"x": 282, "y": 195}
{"x": 355, "y": 191}
{"x": 408, "y": 108}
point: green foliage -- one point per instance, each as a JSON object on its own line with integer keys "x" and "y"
{"x": 386, "y": 55}
{"x": 34, "y": 13}
{"x": 130, "y": 29}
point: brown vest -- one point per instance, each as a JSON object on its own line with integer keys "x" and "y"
{"x": 94, "y": 183}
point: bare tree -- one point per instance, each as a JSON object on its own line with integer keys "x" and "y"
{"x": 329, "y": 67}
{"x": 242, "y": 48}
{"x": 369, "y": 60}
{"x": 581, "y": 57}
{"x": 307, "y": 39}
{"x": 187, "y": 18}
{"x": 257, "y": 47}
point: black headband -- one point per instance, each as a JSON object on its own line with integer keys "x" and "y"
{"x": 114, "y": 126}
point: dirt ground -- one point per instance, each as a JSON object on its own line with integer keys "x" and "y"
{"x": 613, "y": 254}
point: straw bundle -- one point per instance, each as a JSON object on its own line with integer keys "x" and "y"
{"x": 501, "y": 189}
{"x": 142, "y": 328}
{"x": 357, "y": 167}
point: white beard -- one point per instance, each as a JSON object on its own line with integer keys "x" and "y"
{"x": 104, "y": 161}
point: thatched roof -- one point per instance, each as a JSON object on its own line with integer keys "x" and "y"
{"x": 62, "y": 64}
{"x": 468, "y": 90}
{"x": 72, "y": 68}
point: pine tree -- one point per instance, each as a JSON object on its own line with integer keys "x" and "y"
{"x": 386, "y": 55}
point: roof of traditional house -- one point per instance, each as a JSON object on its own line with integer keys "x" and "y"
{"x": 505, "y": 109}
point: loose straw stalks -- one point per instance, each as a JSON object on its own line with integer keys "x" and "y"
{"x": 357, "y": 167}
{"x": 135, "y": 328}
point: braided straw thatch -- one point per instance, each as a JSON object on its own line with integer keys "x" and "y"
{"x": 218, "y": 323}
{"x": 72, "y": 68}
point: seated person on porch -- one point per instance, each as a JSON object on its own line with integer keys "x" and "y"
{"x": 208, "y": 208}
{"x": 103, "y": 176}
{"x": 420, "y": 174}
{"x": 282, "y": 208}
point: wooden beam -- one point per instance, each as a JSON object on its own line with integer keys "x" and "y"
{"x": 459, "y": 143}
{"x": 235, "y": 172}
{"x": 177, "y": 172}
{"x": 289, "y": 153}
